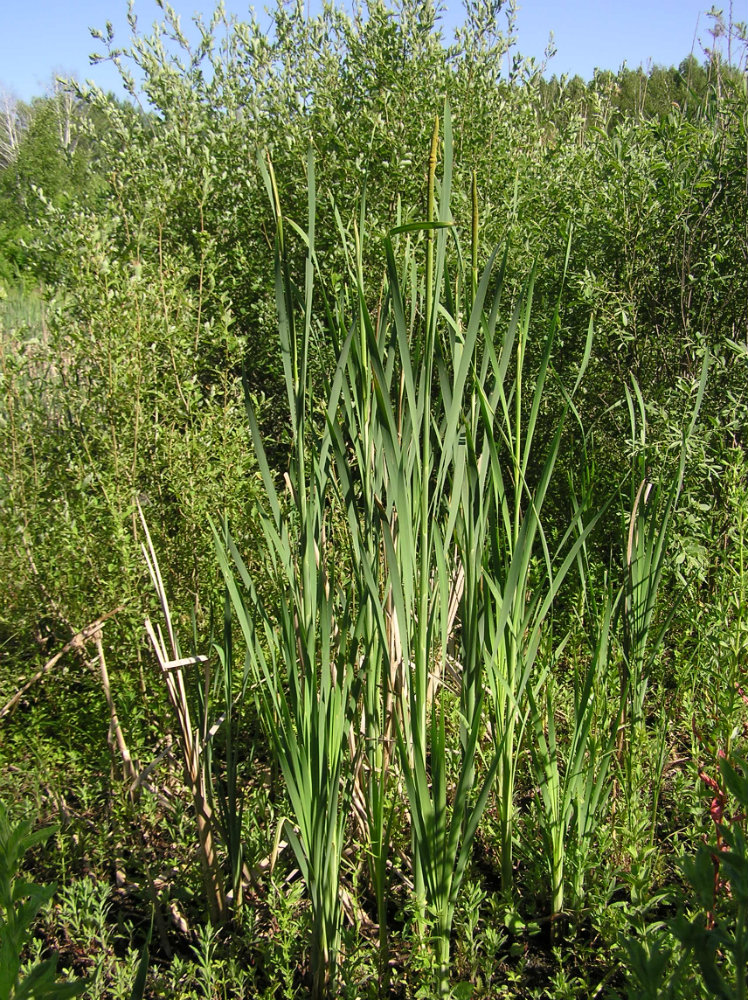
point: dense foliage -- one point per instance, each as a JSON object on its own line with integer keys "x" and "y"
{"x": 433, "y": 442}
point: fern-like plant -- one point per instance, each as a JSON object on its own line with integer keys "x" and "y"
{"x": 20, "y": 903}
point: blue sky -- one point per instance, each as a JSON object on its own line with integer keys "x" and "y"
{"x": 41, "y": 38}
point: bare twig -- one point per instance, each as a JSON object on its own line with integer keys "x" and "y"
{"x": 194, "y": 771}
{"x": 129, "y": 769}
{"x": 77, "y": 642}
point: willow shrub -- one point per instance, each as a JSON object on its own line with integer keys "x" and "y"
{"x": 105, "y": 403}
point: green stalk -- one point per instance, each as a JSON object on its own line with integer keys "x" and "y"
{"x": 364, "y": 439}
{"x": 419, "y": 706}
{"x": 474, "y": 235}
{"x": 430, "y": 212}
{"x": 516, "y": 618}
{"x": 227, "y": 792}
{"x": 573, "y": 793}
{"x": 433, "y": 490}
{"x": 303, "y": 649}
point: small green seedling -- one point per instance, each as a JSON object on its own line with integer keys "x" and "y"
{"x": 20, "y": 903}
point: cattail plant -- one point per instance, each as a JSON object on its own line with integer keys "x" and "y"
{"x": 401, "y": 420}
{"x": 458, "y": 541}
{"x": 521, "y": 596}
{"x": 304, "y": 650}
{"x": 418, "y": 461}
{"x": 434, "y": 516}
{"x": 357, "y": 443}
